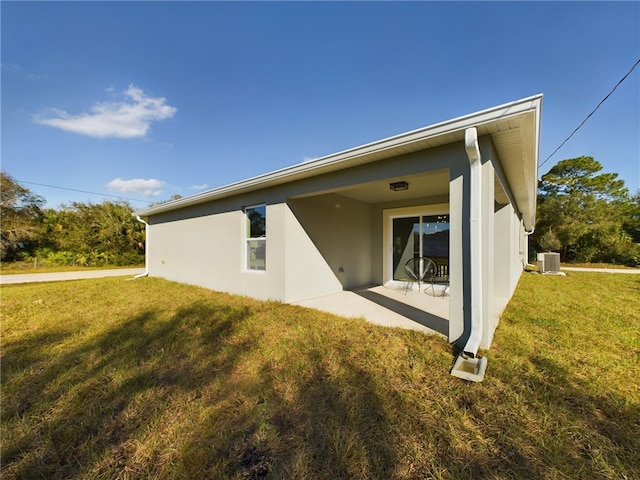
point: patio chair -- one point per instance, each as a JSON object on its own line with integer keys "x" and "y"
{"x": 421, "y": 270}
{"x": 442, "y": 274}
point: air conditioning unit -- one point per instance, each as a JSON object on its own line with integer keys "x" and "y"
{"x": 549, "y": 262}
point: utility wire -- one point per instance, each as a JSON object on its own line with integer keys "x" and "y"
{"x": 84, "y": 191}
{"x": 594, "y": 111}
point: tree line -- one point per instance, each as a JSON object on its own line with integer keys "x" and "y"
{"x": 585, "y": 215}
{"x": 85, "y": 234}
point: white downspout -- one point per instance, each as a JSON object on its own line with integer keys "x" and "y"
{"x": 525, "y": 256}
{"x": 473, "y": 152}
{"x": 468, "y": 365}
{"x": 146, "y": 248}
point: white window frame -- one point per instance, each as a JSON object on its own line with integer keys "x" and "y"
{"x": 248, "y": 238}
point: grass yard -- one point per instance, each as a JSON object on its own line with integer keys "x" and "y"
{"x": 148, "y": 379}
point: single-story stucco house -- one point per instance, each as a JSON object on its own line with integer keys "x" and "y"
{"x": 463, "y": 190}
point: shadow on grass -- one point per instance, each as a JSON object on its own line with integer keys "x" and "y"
{"x": 199, "y": 384}
{"x": 303, "y": 412}
{"x": 262, "y": 390}
{"x": 107, "y": 388}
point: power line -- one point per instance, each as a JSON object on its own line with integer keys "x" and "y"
{"x": 84, "y": 191}
{"x": 594, "y": 111}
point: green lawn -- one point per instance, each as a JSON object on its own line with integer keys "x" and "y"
{"x": 106, "y": 379}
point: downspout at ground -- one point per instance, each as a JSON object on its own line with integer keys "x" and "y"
{"x": 525, "y": 260}
{"x": 146, "y": 248}
{"x": 468, "y": 365}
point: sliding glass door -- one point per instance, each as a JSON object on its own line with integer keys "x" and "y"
{"x": 419, "y": 236}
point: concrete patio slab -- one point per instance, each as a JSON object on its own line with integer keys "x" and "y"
{"x": 389, "y": 307}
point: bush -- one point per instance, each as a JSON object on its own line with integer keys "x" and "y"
{"x": 549, "y": 241}
{"x": 65, "y": 258}
{"x": 625, "y": 254}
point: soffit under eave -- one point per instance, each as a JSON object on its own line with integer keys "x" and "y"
{"x": 517, "y": 150}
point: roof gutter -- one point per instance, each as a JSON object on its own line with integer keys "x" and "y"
{"x": 468, "y": 365}
{"x": 146, "y": 248}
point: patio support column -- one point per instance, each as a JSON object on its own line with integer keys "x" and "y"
{"x": 458, "y": 249}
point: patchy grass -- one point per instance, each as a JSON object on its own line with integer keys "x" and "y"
{"x": 106, "y": 379}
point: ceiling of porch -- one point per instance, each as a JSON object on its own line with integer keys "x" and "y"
{"x": 423, "y": 185}
{"x": 430, "y": 184}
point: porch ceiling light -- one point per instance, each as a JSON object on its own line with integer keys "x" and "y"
{"x": 397, "y": 186}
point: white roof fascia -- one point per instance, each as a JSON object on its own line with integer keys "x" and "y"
{"x": 319, "y": 165}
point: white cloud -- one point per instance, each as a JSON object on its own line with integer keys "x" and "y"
{"x": 129, "y": 118}
{"x": 140, "y": 186}
{"x": 11, "y": 68}
{"x": 15, "y": 69}
{"x": 198, "y": 187}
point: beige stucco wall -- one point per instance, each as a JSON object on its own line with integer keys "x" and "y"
{"x": 328, "y": 245}
{"x": 502, "y": 230}
{"x": 208, "y": 251}
{"x": 508, "y": 257}
{"x": 315, "y": 246}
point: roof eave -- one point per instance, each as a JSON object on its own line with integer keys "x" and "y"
{"x": 345, "y": 158}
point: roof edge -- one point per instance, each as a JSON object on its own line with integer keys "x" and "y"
{"x": 307, "y": 169}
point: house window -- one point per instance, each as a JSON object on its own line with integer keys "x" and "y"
{"x": 256, "y": 237}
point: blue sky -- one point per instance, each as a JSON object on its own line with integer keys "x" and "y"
{"x": 147, "y": 100}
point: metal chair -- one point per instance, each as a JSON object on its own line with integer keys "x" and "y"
{"x": 421, "y": 270}
{"x": 442, "y": 274}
